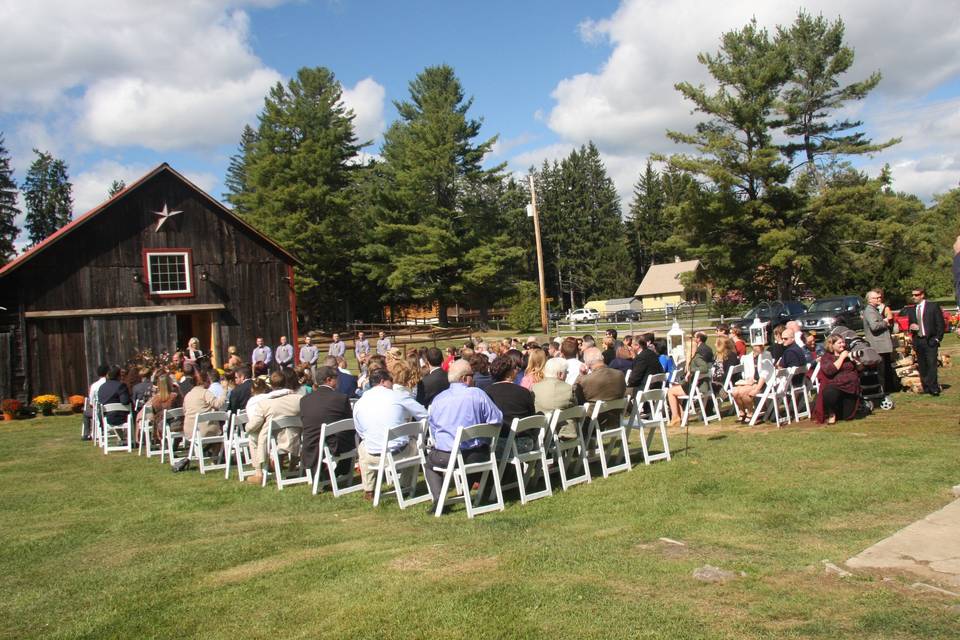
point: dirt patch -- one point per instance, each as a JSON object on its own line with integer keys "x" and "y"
{"x": 441, "y": 564}
{"x": 261, "y": 566}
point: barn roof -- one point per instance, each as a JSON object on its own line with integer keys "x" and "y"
{"x": 665, "y": 278}
{"x": 78, "y": 222}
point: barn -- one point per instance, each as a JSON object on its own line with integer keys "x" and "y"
{"x": 160, "y": 262}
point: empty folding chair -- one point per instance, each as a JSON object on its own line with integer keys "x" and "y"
{"x": 327, "y": 462}
{"x": 170, "y": 435}
{"x": 814, "y": 379}
{"x": 728, "y": 386}
{"x": 530, "y": 465}
{"x": 458, "y": 472}
{"x": 608, "y": 438}
{"x": 145, "y": 441}
{"x": 799, "y": 398}
{"x": 122, "y": 433}
{"x": 96, "y": 425}
{"x": 238, "y": 447}
{"x": 693, "y": 400}
{"x": 569, "y": 453}
{"x": 655, "y": 381}
{"x": 395, "y": 465}
{"x": 656, "y": 400}
{"x": 275, "y": 451}
{"x": 200, "y": 443}
{"x": 773, "y": 396}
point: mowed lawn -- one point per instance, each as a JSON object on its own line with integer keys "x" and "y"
{"x": 116, "y": 546}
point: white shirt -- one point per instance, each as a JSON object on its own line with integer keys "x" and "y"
{"x": 379, "y": 409}
{"x": 94, "y": 388}
{"x": 216, "y": 389}
{"x": 573, "y": 371}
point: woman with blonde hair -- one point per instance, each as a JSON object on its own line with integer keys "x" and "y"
{"x": 536, "y": 360}
{"x": 233, "y": 358}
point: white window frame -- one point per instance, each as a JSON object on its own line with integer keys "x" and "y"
{"x": 188, "y": 266}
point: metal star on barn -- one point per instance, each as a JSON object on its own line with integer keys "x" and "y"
{"x": 165, "y": 215}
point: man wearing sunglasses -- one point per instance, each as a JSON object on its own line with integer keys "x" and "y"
{"x": 927, "y": 327}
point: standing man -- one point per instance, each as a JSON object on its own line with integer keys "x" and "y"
{"x": 324, "y": 406}
{"x": 284, "y": 353}
{"x": 309, "y": 355}
{"x": 876, "y": 330}
{"x": 927, "y": 327}
{"x": 383, "y": 344}
{"x": 360, "y": 346}
{"x": 261, "y": 353}
{"x": 337, "y": 347}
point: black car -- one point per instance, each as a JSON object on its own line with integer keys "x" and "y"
{"x": 776, "y": 313}
{"x": 625, "y": 315}
{"x": 836, "y": 311}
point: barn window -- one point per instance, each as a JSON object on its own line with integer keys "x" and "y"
{"x": 168, "y": 272}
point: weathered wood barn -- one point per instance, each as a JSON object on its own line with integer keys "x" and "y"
{"x": 155, "y": 265}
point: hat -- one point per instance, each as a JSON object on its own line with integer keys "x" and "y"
{"x": 558, "y": 340}
{"x": 531, "y": 339}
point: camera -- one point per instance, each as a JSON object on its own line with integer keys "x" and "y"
{"x": 860, "y": 350}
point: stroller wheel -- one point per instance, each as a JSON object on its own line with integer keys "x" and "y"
{"x": 887, "y": 403}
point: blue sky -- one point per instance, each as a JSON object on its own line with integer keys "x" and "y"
{"x": 116, "y": 87}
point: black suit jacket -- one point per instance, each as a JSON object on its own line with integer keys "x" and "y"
{"x": 110, "y": 392}
{"x": 324, "y": 406}
{"x": 239, "y": 396}
{"x": 933, "y": 324}
{"x": 645, "y": 364}
{"x": 347, "y": 384}
{"x": 433, "y": 383}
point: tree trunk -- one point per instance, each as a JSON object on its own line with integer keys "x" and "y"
{"x": 442, "y": 319}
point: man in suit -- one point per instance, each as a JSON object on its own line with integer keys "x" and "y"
{"x": 554, "y": 393}
{"x": 241, "y": 393}
{"x": 324, "y": 406}
{"x": 927, "y": 327}
{"x": 600, "y": 382}
{"x": 114, "y": 391}
{"x": 434, "y": 382}
{"x": 645, "y": 364}
{"x": 346, "y": 381}
{"x": 876, "y": 331}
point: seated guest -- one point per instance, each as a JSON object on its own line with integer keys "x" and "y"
{"x": 725, "y": 357}
{"x": 793, "y": 355}
{"x": 839, "y": 395}
{"x": 451, "y": 355}
{"x": 435, "y": 381}
{"x": 114, "y": 391}
{"x": 460, "y": 405}
{"x": 776, "y": 344}
{"x": 186, "y": 379}
{"x": 481, "y": 370}
{"x": 519, "y": 367}
{"x": 141, "y": 391}
{"x": 92, "y": 399}
{"x": 609, "y": 348}
{"x": 216, "y": 387}
{"x": 233, "y": 359}
{"x": 757, "y": 366}
{"x": 201, "y": 400}
{"x": 379, "y": 409}
{"x": 623, "y": 361}
{"x": 812, "y": 351}
{"x": 240, "y": 394}
{"x": 736, "y": 333}
{"x": 304, "y": 379}
{"x": 406, "y": 376}
{"x": 701, "y": 362}
{"x": 570, "y": 351}
{"x": 663, "y": 357}
{"x": 325, "y": 405}
{"x": 645, "y": 364}
{"x": 512, "y": 399}
{"x": 600, "y": 383}
{"x": 346, "y": 381}
{"x": 165, "y": 398}
{"x": 554, "y": 393}
{"x": 533, "y": 373}
{"x": 281, "y": 401}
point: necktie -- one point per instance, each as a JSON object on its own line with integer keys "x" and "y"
{"x": 920, "y": 318}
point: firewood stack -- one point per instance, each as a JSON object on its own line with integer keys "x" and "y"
{"x": 905, "y": 366}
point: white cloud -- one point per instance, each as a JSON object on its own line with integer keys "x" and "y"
{"x": 366, "y": 99}
{"x": 91, "y": 187}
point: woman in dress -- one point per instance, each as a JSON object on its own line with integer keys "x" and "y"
{"x": 839, "y": 395}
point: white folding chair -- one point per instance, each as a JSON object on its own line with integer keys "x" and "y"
{"x": 815, "y": 379}
{"x": 691, "y": 400}
{"x": 458, "y": 471}
{"x": 773, "y": 396}
{"x": 169, "y": 435}
{"x": 606, "y": 439}
{"x": 274, "y": 451}
{"x": 198, "y": 443}
{"x": 535, "y": 428}
{"x": 145, "y": 441}
{"x": 238, "y": 447}
{"x": 393, "y": 465}
{"x": 656, "y": 399}
{"x": 728, "y": 387}
{"x": 655, "y": 381}
{"x": 96, "y": 425}
{"x": 328, "y": 459}
{"x": 568, "y": 454}
{"x": 799, "y": 389}
{"x": 123, "y": 433}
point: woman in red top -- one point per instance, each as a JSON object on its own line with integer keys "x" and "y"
{"x": 839, "y": 395}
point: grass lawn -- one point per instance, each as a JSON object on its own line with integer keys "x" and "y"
{"x": 115, "y": 546}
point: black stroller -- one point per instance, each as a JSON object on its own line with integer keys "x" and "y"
{"x": 872, "y": 394}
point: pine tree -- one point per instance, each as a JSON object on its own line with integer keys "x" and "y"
{"x": 47, "y": 194}
{"x": 236, "y": 181}
{"x": 646, "y": 220}
{"x": 8, "y": 207}
{"x": 116, "y": 187}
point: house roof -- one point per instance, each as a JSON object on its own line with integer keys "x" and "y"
{"x": 665, "y": 278}
{"x": 79, "y": 221}
{"x": 621, "y": 300}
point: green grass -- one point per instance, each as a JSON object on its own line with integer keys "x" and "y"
{"x": 115, "y": 546}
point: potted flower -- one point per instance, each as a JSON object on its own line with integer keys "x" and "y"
{"x": 46, "y": 403}
{"x": 76, "y": 403}
{"x": 10, "y": 407}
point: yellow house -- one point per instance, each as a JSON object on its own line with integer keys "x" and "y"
{"x": 662, "y": 287}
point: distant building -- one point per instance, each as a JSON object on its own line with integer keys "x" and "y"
{"x": 662, "y": 286}
{"x": 608, "y": 307}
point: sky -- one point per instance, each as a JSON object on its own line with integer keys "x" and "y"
{"x": 117, "y": 87}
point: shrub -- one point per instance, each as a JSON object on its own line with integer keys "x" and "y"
{"x": 10, "y": 405}
{"x": 525, "y": 307}
{"x": 76, "y": 403}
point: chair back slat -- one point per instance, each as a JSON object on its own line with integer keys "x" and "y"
{"x": 530, "y": 423}
{"x": 213, "y": 416}
{"x": 485, "y": 430}
{"x": 287, "y": 422}
{"x": 407, "y": 429}
{"x": 333, "y": 428}
{"x": 116, "y": 407}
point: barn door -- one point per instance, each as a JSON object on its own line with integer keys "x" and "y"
{"x": 6, "y": 365}
{"x": 58, "y": 357}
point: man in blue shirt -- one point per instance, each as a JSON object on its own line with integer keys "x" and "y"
{"x": 461, "y": 405}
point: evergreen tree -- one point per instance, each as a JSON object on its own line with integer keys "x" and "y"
{"x": 8, "y": 207}
{"x": 47, "y": 194}
{"x": 646, "y": 220}
{"x": 298, "y": 175}
{"x": 116, "y": 187}
{"x": 236, "y": 180}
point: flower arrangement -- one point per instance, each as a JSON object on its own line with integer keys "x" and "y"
{"x": 46, "y": 403}
{"x": 76, "y": 403}
{"x": 10, "y": 405}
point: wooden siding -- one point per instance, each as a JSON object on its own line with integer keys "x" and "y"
{"x": 57, "y": 365}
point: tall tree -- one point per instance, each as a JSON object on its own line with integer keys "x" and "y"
{"x": 116, "y": 187}
{"x": 645, "y": 219}
{"x": 236, "y": 180}
{"x": 427, "y": 206}
{"x": 8, "y": 207}
{"x": 47, "y": 194}
{"x": 298, "y": 175}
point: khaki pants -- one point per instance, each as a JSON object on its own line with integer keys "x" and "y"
{"x": 369, "y": 464}
{"x": 288, "y": 440}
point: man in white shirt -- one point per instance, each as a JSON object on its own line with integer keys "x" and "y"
{"x": 383, "y": 344}
{"x": 92, "y": 401}
{"x": 379, "y": 409}
{"x": 337, "y": 347}
{"x": 284, "y": 353}
{"x": 569, "y": 351}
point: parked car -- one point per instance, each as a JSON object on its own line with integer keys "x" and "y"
{"x": 626, "y": 315}
{"x": 903, "y": 323}
{"x": 776, "y": 313}
{"x": 556, "y": 316}
{"x": 583, "y": 315}
{"x": 836, "y": 311}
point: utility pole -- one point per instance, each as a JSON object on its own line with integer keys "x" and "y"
{"x": 536, "y": 230}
